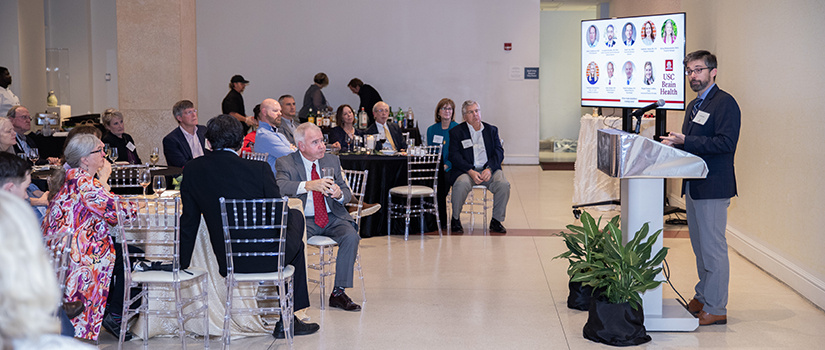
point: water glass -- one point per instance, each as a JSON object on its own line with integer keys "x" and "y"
{"x": 159, "y": 184}
{"x": 144, "y": 178}
{"x": 328, "y": 173}
{"x": 113, "y": 154}
{"x": 34, "y": 155}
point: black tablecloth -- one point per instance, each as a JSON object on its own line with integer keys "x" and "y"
{"x": 385, "y": 172}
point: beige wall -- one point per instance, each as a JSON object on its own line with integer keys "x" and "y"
{"x": 769, "y": 56}
{"x": 157, "y": 66}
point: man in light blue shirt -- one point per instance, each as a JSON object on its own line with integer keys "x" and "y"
{"x": 268, "y": 139}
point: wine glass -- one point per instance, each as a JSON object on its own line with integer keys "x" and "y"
{"x": 112, "y": 154}
{"x": 159, "y": 184}
{"x": 34, "y": 155}
{"x": 107, "y": 150}
{"x": 154, "y": 156}
{"x": 144, "y": 178}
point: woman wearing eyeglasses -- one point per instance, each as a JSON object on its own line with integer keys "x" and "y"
{"x": 85, "y": 204}
{"x": 439, "y": 134}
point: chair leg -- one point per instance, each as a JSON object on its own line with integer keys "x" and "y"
{"x": 484, "y": 207}
{"x": 322, "y": 276}
{"x": 361, "y": 275}
{"x": 227, "y": 316}
{"x": 205, "y": 296}
{"x": 179, "y": 307}
{"x": 389, "y": 213}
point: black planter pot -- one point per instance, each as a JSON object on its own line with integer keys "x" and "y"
{"x": 615, "y": 324}
{"x": 579, "y": 297}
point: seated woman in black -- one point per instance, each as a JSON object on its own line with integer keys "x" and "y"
{"x": 343, "y": 136}
{"x": 115, "y": 137}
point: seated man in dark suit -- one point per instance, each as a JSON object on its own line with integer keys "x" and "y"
{"x": 386, "y": 130}
{"x": 187, "y": 141}
{"x": 21, "y": 121}
{"x": 476, "y": 154}
{"x": 298, "y": 176}
{"x": 213, "y": 176}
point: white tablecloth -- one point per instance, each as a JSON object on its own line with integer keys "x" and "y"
{"x": 590, "y": 185}
{"x": 204, "y": 257}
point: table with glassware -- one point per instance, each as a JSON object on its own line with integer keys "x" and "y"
{"x": 385, "y": 172}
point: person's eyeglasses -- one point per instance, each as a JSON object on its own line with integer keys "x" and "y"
{"x": 190, "y": 111}
{"x": 446, "y": 108}
{"x": 689, "y": 71}
{"x": 96, "y": 151}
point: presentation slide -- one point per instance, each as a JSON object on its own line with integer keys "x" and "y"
{"x": 632, "y": 62}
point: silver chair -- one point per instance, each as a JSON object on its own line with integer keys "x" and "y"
{"x": 471, "y": 206}
{"x": 156, "y": 230}
{"x": 357, "y": 182}
{"x": 255, "y": 229}
{"x": 126, "y": 176}
{"x": 254, "y": 156}
{"x": 58, "y": 247}
{"x": 422, "y": 174}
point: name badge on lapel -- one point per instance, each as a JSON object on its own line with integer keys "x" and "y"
{"x": 467, "y": 143}
{"x": 701, "y": 117}
{"x": 131, "y": 146}
{"x": 438, "y": 139}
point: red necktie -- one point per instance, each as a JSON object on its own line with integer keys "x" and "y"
{"x": 321, "y": 218}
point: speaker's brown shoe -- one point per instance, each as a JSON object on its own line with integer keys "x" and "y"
{"x": 706, "y": 319}
{"x": 694, "y": 306}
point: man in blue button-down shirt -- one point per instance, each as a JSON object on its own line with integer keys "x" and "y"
{"x": 268, "y": 139}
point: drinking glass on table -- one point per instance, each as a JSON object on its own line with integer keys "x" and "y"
{"x": 159, "y": 184}
{"x": 144, "y": 178}
{"x": 34, "y": 155}
{"x": 113, "y": 154}
{"x": 154, "y": 156}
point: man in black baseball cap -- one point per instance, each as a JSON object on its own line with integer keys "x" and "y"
{"x": 233, "y": 102}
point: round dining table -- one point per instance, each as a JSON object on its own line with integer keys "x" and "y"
{"x": 385, "y": 172}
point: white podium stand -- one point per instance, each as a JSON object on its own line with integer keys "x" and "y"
{"x": 642, "y": 165}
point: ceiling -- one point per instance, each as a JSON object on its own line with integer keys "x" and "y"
{"x": 570, "y": 5}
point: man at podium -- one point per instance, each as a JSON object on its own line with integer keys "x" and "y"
{"x": 710, "y": 130}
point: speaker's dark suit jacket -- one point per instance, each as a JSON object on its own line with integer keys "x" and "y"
{"x": 395, "y": 132}
{"x": 176, "y": 149}
{"x": 463, "y": 158}
{"x": 225, "y": 174}
{"x": 715, "y": 142}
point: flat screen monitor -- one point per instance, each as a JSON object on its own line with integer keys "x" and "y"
{"x": 632, "y": 62}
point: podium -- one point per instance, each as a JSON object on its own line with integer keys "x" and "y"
{"x": 642, "y": 164}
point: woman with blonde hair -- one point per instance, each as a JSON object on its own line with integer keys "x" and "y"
{"x": 85, "y": 204}
{"x": 29, "y": 292}
{"x": 7, "y": 135}
{"x": 117, "y": 138}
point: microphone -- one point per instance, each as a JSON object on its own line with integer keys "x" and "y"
{"x": 639, "y": 112}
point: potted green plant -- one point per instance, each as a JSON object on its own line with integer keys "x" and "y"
{"x": 584, "y": 249}
{"x": 621, "y": 272}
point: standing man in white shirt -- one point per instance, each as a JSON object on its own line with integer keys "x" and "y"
{"x": 476, "y": 155}
{"x": 7, "y": 98}
{"x": 187, "y": 141}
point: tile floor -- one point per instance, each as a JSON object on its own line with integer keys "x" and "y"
{"x": 497, "y": 292}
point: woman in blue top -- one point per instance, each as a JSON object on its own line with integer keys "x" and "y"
{"x": 439, "y": 133}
